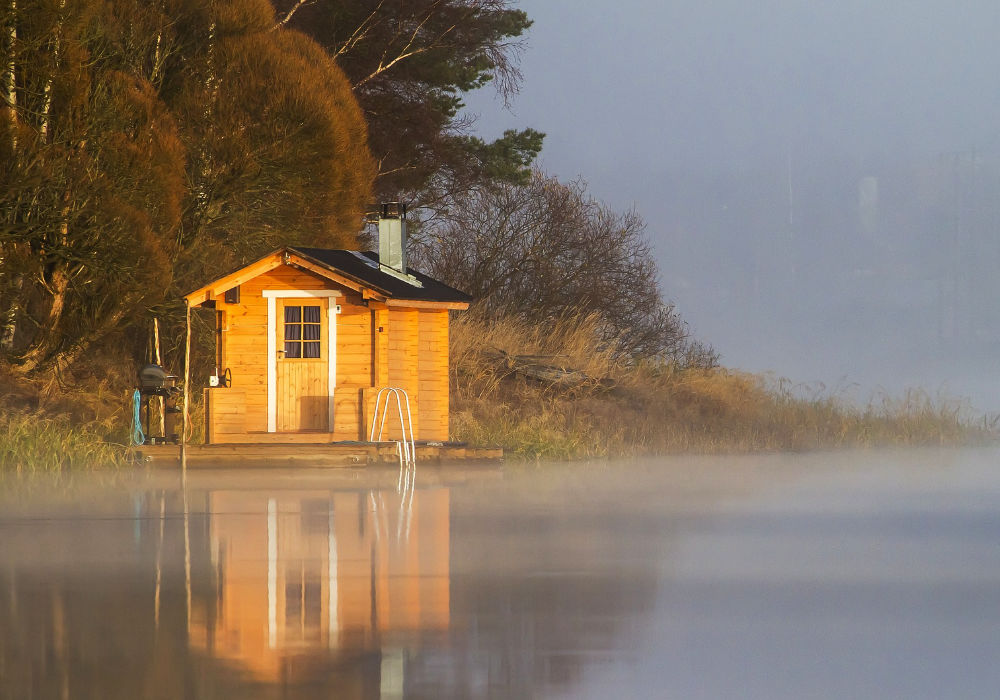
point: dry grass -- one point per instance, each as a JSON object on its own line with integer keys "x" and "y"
{"x": 60, "y": 424}
{"x": 659, "y": 407}
{"x": 54, "y": 423}
{"x": 30, "y": 444}
{"x": 63, "y": 423}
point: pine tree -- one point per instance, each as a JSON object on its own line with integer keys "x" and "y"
{"x": 409, "y": 63}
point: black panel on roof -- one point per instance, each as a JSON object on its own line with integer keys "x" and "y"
{"x": 364, "y": 267}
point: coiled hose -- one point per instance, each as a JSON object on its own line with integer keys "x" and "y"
{"x": 138, "y": 437}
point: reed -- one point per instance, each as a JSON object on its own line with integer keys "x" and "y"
{"x": 53, "y": 425}
{"x": 59, "y": 425}
{"x": 31, "y": 443}
{"x": 658, "y": 406}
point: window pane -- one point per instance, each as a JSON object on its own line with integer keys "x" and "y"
{"x": 293, "y": 331}
{"x": 293, "y": 349}
{"x": 310, "y": 331}
{"x": 314, "y": 517}
{"x": 293, "y": 314}
{"x": 311, "y": 314}
{"x": 293, "y": 601}
{"x": 311, "y": 349}
{"x": 313, "y": 595}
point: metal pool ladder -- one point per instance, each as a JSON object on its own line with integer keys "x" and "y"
{"x": 407, "y": 449}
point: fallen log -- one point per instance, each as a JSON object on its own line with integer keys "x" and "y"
{"x": 538, "y": 367}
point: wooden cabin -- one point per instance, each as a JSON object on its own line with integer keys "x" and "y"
{"x": 309, "y": 336}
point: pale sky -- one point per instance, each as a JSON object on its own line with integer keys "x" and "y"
{"x": 674, "y": 107}
{"x": 726, "y": 84}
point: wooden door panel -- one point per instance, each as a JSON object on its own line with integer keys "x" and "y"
{"x": 302, "y": 377}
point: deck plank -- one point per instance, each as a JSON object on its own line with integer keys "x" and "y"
{"x": 350, "y": 454}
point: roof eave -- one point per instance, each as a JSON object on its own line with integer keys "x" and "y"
{"x": 427, "y": 304}
{"x": 294, "y": 256}
{"x": 243, "y": 274}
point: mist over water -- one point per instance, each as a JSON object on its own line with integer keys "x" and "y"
{"x": 881, "y": 277}
{"x": 857, "y": 574}
{"x": 820, "y": 180}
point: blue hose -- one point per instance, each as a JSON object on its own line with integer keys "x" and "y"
{"x": 138, "y": 437}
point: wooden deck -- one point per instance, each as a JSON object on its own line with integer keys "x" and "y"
{"x": 335, "y": 454}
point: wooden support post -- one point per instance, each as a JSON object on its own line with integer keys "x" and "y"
{"x": 156, "y": 358}
{"x": 187, "y": 558}
{"x": 187, "y": 381}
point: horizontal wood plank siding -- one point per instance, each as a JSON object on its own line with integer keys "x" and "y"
{"x": 404, "y": 334}
{"x": 244, "y": 338}
{"x": 244, "y": 352}
{"x": 346, "y": 414}
{"x": 354, "y": 370}
{"x": 432, "y": 365}
{"x": 411, "y": 352}
{"x": 225, "y": 414}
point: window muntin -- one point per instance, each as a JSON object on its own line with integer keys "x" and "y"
{"x": 303, "y": 328}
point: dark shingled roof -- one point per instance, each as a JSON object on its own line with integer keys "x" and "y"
{"x": 364, "y": 267}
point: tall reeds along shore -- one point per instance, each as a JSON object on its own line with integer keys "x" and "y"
{"x": 550, "y": 392}
{"x": 51, "y": 424}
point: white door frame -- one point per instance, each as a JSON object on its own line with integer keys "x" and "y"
{"x": 272, "y": 296}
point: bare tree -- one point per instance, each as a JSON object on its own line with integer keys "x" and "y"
{"x": 546, "y": 250}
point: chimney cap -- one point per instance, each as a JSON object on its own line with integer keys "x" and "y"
{"x": 393, "y": 210}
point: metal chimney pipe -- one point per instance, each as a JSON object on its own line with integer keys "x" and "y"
{"x": 392, "y": 236}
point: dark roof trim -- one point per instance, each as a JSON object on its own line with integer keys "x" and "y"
{"x": 364, "y": 268}
{"x": 361, "y": 268}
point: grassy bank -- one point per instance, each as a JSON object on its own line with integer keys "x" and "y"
{"x": 31, "y": 443}
{"x": 607, "y": 406}
{"x": 616, "y": 407}
{"x": 48, "y": 426}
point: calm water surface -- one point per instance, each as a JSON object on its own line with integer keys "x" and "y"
{"x": 843, "y": 575}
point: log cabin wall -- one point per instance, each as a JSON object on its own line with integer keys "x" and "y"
{"x": 354, "y": 368}
{"x": 376, "y": 346}
{"x": 432, "y": 368}
{"x": 411, "y": 353}
{"x": 404, "y": 330}
{"x": 244, "y": 352}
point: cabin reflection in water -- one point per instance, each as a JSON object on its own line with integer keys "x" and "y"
{"x": 347, "y": 592}
{"x": 307, "y": 574}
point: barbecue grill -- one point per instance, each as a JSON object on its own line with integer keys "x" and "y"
{"x": 156, "y": 381}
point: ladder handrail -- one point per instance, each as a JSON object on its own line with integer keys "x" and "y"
{"x": 408, "y": 450}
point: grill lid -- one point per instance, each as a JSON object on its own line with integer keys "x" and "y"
{"x": 153, "y": 377}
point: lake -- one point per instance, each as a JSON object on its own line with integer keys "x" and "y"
{"x": 861, "y": 574}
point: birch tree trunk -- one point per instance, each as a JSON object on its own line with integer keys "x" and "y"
{"x": 10, "y": 74}
{"x": 55, "y": 279}
{"x": 9, "y": 330}
{"x": 47, "y": 90}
